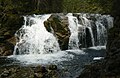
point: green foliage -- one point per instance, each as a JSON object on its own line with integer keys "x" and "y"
{"x": 91, "y": 6}
{"x": 51, "y": 6}
{"x": 25, "y": 7}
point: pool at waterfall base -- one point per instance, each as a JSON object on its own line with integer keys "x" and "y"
{"x": 69, "y": 64}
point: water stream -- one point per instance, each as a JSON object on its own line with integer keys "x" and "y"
{"x": 35, "y": 45}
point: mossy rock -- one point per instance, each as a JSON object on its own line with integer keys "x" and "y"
{"x": 59, "y": 24}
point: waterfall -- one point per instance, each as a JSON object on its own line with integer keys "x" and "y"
{"x": 33, "y": 38}
{"x": 73, "y": 26}
{"x": 34, "y": 44}
{"x": 88, "y": 30}
{"x": 101, "y": 34}
{"x": 87, "y": 24}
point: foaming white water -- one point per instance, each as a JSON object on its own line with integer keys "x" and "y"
{"x": 97, "y": 47}
{"x": 43, "y": 58}
{"x": 77, "y": 51}
{"x": 98, "y": 58}
{"x": 33, "y": 38}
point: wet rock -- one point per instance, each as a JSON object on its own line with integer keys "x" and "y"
{"x": 58, "y": 25}
{"x": 15, "y": 71}
{"x": 46, "y": 72}
{"x": 92, "y": 71}
{"x": 40, "y": 69}
{"x": 52, "y": 67}
{"x": 38, "y": 75}
{"x": 53, "y": 74}
{"x": 5, "y": 73}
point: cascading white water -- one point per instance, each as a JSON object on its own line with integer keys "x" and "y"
{"x": 88, "y": 30}
{"x": 87, "y": 24}
{"x": 33, "y": 38}
{"x": 101, "y": 34}
{"x": 73, "y": 26}
{"x": 103, "y": 23}
{"x": 91, "y": 33}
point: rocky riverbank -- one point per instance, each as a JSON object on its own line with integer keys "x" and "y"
{"x": 14, "y": 71}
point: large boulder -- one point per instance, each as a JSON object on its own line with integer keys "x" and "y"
{"x": 58, "y": 25}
